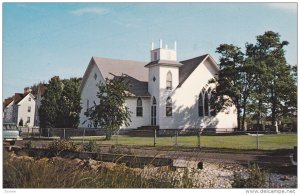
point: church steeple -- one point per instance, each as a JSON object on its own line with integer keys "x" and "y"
{"x": 161, "y": 53}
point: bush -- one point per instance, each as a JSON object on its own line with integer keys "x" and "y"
{"x": 256, "y": 179}
{"x": 28, "y": 144}
{"x": 91, "y": 146}
{"x": 58, "y": 146}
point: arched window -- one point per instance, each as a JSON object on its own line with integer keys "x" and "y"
{"x": 200, "y": 105}
{"x": 139, "y": 107}
{"x": 206, "y": 104}
{"x": 212, "y": 107}
{"x": 169, "y": 81}
{"x": 169, "y": 107}
{"x": 154, "y": 101}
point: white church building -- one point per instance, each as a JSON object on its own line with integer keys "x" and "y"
{"x": 164, "y": 92}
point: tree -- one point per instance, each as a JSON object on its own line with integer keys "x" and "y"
{"x": 68, "y": 114}
{"x": 60, "y": 106}
{"x": 230, "y": 84}
{"x": 50, "y": 103}
{"x": 275, "y": 86}
{"x": 110, "y": 113}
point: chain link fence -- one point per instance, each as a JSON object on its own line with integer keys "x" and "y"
{"x": 192, "y": 138}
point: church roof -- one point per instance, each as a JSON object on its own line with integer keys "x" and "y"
{"x": 188, "y": 67}
{"x": 136, "y": 87}
{"x": 136, "y": 73}
{"x": 110, "y": 67}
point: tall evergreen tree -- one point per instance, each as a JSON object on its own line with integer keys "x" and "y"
{"x": 276, "y": 88}
{"x": 50, "y": 103}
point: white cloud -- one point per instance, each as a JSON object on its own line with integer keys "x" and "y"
{"x": 291, "y": 7}
{"x": 94, "y": 10}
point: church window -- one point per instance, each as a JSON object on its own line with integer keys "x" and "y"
{"x": 169, "y": 107}
{"x": 139, "y": 107}
{"x": 200, "y": 105}
{"x": 206, "y": 104}
{"x": 95, "y": 76}
{"x": 169, "y": 81}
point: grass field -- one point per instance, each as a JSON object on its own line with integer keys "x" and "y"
{"x": 265, "y": 142}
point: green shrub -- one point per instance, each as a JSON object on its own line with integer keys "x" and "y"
{"x": 91, "y": 146}
{"x": 57, "y": 146}
{"x": 28, "y": 144}
{"x": 256, "y": 178}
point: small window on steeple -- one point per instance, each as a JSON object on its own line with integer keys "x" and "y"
{"x": 95, "y": 76}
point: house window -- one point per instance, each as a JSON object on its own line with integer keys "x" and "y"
{"x": 29, "y": 109}
{"x": 169, "y": 107}
{"x": 200, "y": 105}
{"x": 95, "y": 76}
{"x": 169, "y": 81}
{"x": 29, "y": 99}
{"x": 139, "y": 107}
{"x": 28, "y": 120}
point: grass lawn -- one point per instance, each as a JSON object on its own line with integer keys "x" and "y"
{"x": 266, "y": 142}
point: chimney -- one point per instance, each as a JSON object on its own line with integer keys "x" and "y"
{"x": 27, "y": 90}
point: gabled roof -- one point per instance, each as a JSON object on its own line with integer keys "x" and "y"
{"x": 116, "y": 67}
{"x": 19, "y": 97}
{"x": 8, "y": 101}
{"x": 110, "y": 67}
{"x": 190, "y": 65}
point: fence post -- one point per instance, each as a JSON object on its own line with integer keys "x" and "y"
{"x": 40, "y": 132}
{"x": 199, "y": 140}
{"x": 28, "y": 132}
{"x": 118, "y": 136}
{"x": 176, "y": 136}
{"x": 83, "y": 134}
{"x": 64, "y": 133}
{"x": 154, "y": 137}
{"x": 48, "y": 133}
{"x": 257, "y": 145}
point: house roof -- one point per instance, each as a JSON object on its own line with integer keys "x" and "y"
{"x": 19, "y": 97}
{"x": 8, "y": 101}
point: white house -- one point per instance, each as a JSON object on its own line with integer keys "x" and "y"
{"x": 20, "y": 107}
{"x": 163, "y": 93}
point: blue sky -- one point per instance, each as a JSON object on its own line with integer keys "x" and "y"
{"x": 41, "y": 40}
